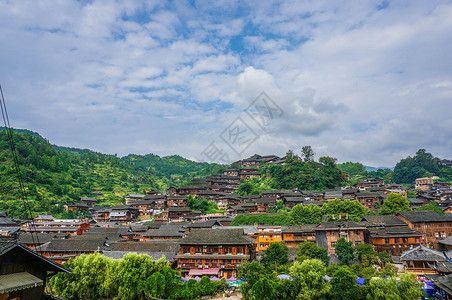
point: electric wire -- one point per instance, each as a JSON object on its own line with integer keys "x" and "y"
{"x": 9, "y": 133}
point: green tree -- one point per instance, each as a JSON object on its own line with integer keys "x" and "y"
{"x": 410, "y": 168}
{"x": 263, "y": 289}
{"x": 309, "y": 250}
{"x": 384, "y": 257}
{"x": 344, "y": 285}
{"x": 383, "y": 289}
{"x": 353, "y": 169}
{"x": 394, "y": 203}
{"x": 307, "y": 153}
{"x": 344, "y": 209}
{"x": 309, "y": 279}
{"x": 276, "y": 252}
{"x": 309, "y": 214}
{"x": 431, "y": 206}
{"x": 366, "y": 254}
{"x": 344, "y": 250}
{"x": 409, "y": 287}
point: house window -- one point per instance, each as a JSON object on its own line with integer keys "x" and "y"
{"x": 437, "y": 234}
{"x": 387, "y": 241}
{"x": 333, "y": 244}
{"x": 442, "y": 234}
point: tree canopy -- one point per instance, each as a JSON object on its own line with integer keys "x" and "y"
{"x": 394, "y": 203}
{"x": 344, "y": 250}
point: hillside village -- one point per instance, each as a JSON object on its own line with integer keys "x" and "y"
{"x": 161, "y": 224}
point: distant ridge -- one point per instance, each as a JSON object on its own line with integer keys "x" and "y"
{"x": 25, "y": 131}
{"x": 369, "y": 168}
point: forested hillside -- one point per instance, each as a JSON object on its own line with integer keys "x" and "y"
{"x": 55, "y": 176}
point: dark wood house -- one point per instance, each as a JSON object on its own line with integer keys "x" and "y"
{"x": 221, "y": 249}
{"x": 23, "y": 272}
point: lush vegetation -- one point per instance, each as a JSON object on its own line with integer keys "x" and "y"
{"x": 357, "y": 170}
{"x": 335, "y": 210}
{"x": 262, "y": 219}
{"x": 422, "y": 164}
{"x": 54, "y": 176}
{"x": 309, "y": 276}
{"x": 132, "y": 277}
{"x": 394, "y": 203}
{"x": 203, "y": 204}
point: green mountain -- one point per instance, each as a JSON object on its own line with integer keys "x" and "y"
{"x": 54, "y": 176}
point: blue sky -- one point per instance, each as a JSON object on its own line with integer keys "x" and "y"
{"x": 367, "y": 81}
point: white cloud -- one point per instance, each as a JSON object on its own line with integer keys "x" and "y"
{"x": 355, "y": 82}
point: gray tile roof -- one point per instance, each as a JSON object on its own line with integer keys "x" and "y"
{"x": 299, "y": 229}
{"x": 48, "y": 264}
{"x": 217, "y": 237}
{"x": 149, "y": 246}
{"x": 444, "y": 283}
{"x": 388, "y": 232}
{"x": 163, "y": 233}
{"x": 204, "y": 224}
{"x": 387, "y": 221}
{"x": 423, "y": 253}
{"x": 169, "y": 256}
{"x": 425, "y": 216}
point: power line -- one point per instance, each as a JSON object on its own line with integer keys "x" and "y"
{"x": 9, "y": 133}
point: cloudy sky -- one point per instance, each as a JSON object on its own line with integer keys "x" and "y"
{"x": 367, "y": 81}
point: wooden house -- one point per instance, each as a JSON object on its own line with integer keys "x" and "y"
{"x": 210, "y": 249}
{"x": 23, "y": 272}
{"x": 432, "y": 225}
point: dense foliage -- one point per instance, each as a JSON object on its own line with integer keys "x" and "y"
{"x": 276, "y": 253}
{"x": 132, "y": 277}
{"x": 54, "y": 176}
{"x": 335, "y": 210}
{"x": 202, "y": 204}
{"x": 309, "y": 282}
{"x": 344, "y": 250}
{"x": 262, "y": 219}
{"x": 423, "y": 164}
{"x": 309, "y": 250}
{"x": 306, "y": 175}
{"x": 394, "y": 203}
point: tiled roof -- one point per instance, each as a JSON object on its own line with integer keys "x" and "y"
{"x": 447, "y": 241}
{"x": 425, "y": 216}
{"x": 204, "y": 224}
{"x": 31, "y": 238}
{"x": 300, "y": 228}
{"x": 148, "y": 246}
{"x": 423, "y": 253}
{"x": 175, "y": 232}
{"x": 403, "y": 231}
{"x": 169, "y": 256}
{"x": 386, "y": 220}
{"x": 217, "y": 237}
{"x": 444, "y": 283}
{"x": 340, "y": 225}
{"x": 50, "y": 265}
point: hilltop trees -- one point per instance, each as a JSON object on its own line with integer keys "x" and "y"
{"x": 307, "y": 174}
{"x": 422, "y": 164}
{"x": 394, "y": 203}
